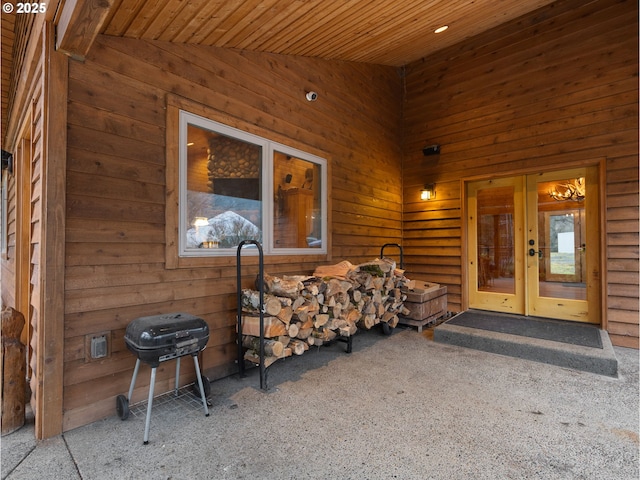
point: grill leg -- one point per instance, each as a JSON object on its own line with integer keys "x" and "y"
{"x": 147, "y": 422}
{"x": 202, "y": 396}
{"x": 133, "y": 379}
{"x": 177, "y": 375}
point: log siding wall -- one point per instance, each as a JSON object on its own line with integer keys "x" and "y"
{"x": 115, "y": 232}
{"x": 27, "y": 163}
{"x": 558, "y": 88}
{"x": 33, "y": 266}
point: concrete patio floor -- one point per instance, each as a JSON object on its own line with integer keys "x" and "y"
{"x": 399, "y": 406}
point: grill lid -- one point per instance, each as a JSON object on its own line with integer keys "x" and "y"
{"x": 166, "y": 331}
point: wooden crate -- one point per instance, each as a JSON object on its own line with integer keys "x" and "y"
{"x": 432, "y": 305}
{"x": 422, "y": 292}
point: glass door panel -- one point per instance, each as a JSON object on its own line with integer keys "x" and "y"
{"x": 560, "y": 206}
{"x": 495, "y": 233}
{"x": 496, "y": 248}
{"x": 561, "y": 238}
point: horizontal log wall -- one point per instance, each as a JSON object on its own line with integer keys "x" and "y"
{"x": 115, "y": 251}
{"x": 34, "y": 213}
{"x": 557, "y": 88}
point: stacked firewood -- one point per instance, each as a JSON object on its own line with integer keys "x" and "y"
{"x": 301, "y": 311}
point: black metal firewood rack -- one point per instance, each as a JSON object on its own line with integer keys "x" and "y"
{"x": 260, "y": 285}
{"x": 263, "y": 370}
{"x": 393, "y": 245}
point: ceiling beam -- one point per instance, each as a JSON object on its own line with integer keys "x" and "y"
{"x": 79, "y": 24}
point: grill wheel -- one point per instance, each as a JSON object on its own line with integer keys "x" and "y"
{"x": 122, "y": 407}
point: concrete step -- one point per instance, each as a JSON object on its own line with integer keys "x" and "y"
{"x": 601, "y": 361}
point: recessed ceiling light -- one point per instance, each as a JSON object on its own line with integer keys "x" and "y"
{"x": 441, "y": 29}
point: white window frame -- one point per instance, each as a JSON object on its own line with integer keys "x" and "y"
{"x": 268, "y": 149}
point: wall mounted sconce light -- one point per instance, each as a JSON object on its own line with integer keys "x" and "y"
{"x": 431, "y": 150}
{"x": 428, "y": 192}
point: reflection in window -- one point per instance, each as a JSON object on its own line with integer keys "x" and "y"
{"x": 223, "y": 190}
{"x": 562, "y": 249}
{"x": 496, "y": 241}
{"x": 236, "y": 186}
{"x": 297, "y": 217}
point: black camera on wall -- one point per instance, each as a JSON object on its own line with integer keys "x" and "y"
{"x": 431, "y": 150}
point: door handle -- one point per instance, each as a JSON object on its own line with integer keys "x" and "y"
{"x": 532, "y": 253}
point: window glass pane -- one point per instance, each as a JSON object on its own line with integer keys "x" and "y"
{"x": 236, "y": 186}
{"x": 4, "y": 220}
{"x": 496, "y": 240}
{"x": 297, "y": 212}
{"x": 562, "y": 239}
{"x": 223, "y": 177}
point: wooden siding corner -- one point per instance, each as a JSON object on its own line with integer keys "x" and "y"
{"x": 52, "y": 260}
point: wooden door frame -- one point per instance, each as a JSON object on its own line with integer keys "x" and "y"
{"x": 505, "y": 302}
{"x": 23, "y": 233}
{"x": 600, "y": 163}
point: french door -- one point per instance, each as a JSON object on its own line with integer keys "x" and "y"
{"x": 533, "y": 245}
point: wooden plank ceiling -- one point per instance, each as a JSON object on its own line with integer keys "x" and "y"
{"x": 386, "y": 32}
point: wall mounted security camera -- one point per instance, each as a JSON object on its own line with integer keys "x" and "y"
{"x": 431, "y": 150}
{"x": 312, "y": 96}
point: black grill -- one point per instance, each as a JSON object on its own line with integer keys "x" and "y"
{"x": 158, "y": 338}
